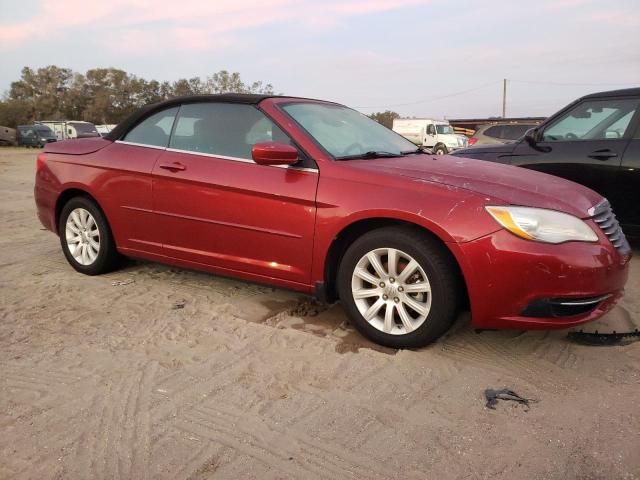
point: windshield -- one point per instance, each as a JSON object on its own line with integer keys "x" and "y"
{"x": 84, "y": 127}
{"x": 444, "y": 129}
{"x": 343, "y": 132}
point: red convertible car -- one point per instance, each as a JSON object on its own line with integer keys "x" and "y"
{"x": 316, "y": 197}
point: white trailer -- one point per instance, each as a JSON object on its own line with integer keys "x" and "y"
{"x": 65, "y": 130}
{"x": 435, "y": 135}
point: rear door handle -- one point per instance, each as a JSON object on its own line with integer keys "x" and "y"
{"x": 173, "y": 167}
{"x": 603, "y": 154}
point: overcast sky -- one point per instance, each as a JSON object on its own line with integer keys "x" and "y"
{"x": 428, "y": 58}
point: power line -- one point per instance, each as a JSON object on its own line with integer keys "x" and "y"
{"x": 434, "y": 98}
{"x": 560, "y": 84}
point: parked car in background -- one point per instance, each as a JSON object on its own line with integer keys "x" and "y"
{"x": 65, "y": 130}
{"x": 35, "y": 135}
{"x": 316, "y": 197}
{"x": 500, "y": 133}
{"x": 436, "y": 135}
{"x": 7, "y": 136}
{"x": 594, "y": 141}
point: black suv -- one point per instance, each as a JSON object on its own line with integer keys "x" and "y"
{"x": 594, "y": 141}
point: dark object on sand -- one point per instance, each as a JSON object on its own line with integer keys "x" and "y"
{"x": 604, "y": 339}
{"x": 493, "y": 396}
{"x": 178, "y": 305}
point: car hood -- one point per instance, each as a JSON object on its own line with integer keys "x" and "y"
{"x": 512, "y": 185}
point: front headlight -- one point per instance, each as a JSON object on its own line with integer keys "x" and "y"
{"x": 542, "y": 225}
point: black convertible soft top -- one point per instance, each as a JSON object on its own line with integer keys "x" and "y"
{"x": 124, "y": 126}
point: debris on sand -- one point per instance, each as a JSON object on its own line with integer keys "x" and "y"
{"x": 493, "y": 396}
{"x": 604, "y": 339}
{"x": 120, "y": 283}
{"x": 178, "y": 305}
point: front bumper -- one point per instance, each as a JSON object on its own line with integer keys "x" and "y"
{"x": 506, "y": 276}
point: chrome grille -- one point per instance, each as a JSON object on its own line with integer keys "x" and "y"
{"x": 603, "y": 215}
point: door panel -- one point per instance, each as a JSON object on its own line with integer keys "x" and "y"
{"x": 127, "y": 183}
{"x": 125, "y": 186}
{"x": 585, "y": 144}
{"x": 591, "y": 163}
{"x": 236, "y": 215}
{"x": 627, "y": 205}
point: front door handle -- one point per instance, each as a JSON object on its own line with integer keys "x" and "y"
{"x": 173, "y": 167}
{"x": 603, "y": 154}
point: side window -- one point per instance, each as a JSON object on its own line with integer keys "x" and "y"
{"x": 617, "y": 129}
{"x": 154, "y": 130}
{"x": 514, "y": 132}
{"x": 593, "y": 120}
{"x": 494, "y": 132}
{"x": 225, "y": 129}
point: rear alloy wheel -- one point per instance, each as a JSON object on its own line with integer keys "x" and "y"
{"x": 399, "y": 287}
{"x": 83, "y": 236}
{"x": 86, "y": 238}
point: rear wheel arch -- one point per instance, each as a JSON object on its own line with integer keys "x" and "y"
{"x": 355, "y": 230}
{"x": 67, "y": 195}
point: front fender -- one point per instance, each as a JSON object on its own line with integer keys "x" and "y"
{"x": 452, "y": 214}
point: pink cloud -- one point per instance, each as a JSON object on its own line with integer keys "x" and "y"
{"x": 359, "y": 7}
{"x": 616, "y": 18}
{"x": 193, "y": 22}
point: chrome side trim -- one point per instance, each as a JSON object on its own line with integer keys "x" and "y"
{"x": 211, "y": 155}
{"x": 591, "y": 301}
{"x": 237, "y": 159}
{"x": 141, "y": 145}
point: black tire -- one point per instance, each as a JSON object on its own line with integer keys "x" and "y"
{"x": 440, "y": 268}
{"x": 440, "y": 150}
{"x": 108, "y": 258}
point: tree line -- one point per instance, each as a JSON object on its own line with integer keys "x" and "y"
{"x": 102, "y": 95}
{"x": 107, "y": 95}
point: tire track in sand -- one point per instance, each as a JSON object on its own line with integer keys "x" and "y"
{"x": 286, "y": 450}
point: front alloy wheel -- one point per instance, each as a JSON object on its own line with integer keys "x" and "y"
{"x": 440, "y": 150}
{"x": 391, "y": 291}
{"x": 399, "y": 286}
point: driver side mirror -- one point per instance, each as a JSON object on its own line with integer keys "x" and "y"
{"x": 274, "y": 153}
{"x": 530, "y": 136}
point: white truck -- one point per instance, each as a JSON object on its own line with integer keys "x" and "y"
{"x": 435, "y": 135}
{"x": 105, "y": 129}
{"x": 64, "y": 130}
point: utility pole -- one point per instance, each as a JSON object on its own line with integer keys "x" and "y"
{"x": 504, "y": 98}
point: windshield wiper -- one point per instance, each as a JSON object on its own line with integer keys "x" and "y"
{"x": 370, "y": 154}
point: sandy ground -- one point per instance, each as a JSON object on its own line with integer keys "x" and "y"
{"x": 108, "y": 377}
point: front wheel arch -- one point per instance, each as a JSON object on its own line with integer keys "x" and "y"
{"x": 350, "y": 233}
{"x": 442, "y": 146}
